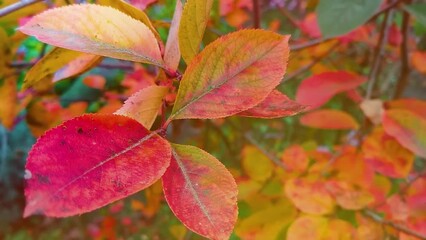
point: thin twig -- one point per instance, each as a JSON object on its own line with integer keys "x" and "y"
{"x": 290, "y": 17}
{"x": 375, "y": 217}
{"x": 309, "y": 44}
{"x": 311, "y": 64}
{"x": 16, "y": 6}
{"x": 379, "y": 52}
{"x": 271, "y": 156}
{"x": 123, "y": 66}
{"x": 256, "y": 14}
{"x": 405, "y": 69}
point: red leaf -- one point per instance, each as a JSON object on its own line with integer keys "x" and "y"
{"x": 408, "y": 128}
{"x": 232, "y": 74}
{"x": 276, "y": 105}
{"x": 329, "y": 119}
{"x": 318, "y": 89}
{"x": 201, "y": 192}
{"x": 91, "y": 161}
{"x": 172, "y": 52}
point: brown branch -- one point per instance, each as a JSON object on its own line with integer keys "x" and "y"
{"x": 311, "y": 64}
{"x": 273, "y": 158}
{"x": 372, "y": 215}
{"x": 256, "y": 14}
{"x": 124, "y": 66}
{"x": 405, "y": 69}
{"x": 379, "y": 52}
{"x": 290, "y": 17}
{"x": 16, "y": 6}
{"x": 309, "y": 44}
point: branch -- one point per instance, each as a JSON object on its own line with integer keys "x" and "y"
{"x": 405, "y": 69}
{"x": 379, "y": 52}
{"x": 311, "y": 64}
{"x": 290, "y": 17}
{"x": 256, "y": 14}
{"x": 309, "y": 44}
{"x": 16, "y": 6}
{"x": 372, "y": 215}
{"x": 23, "y": 64}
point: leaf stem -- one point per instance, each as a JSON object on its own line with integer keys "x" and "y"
{"x": 16, "y": 6}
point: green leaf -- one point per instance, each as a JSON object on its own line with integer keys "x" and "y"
{"x": 418, "y": 10}
{"x": 338, "y": 17}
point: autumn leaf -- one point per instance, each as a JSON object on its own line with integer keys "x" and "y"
{"x": 329, "y": 119}
{"x": 193, "y": 23}
{"x": 318, "y": 89}
{"x": 308, "y": 227}
{"x": 232, "y": 74}
{"x": 256, "y": 165}
{"x": 414, "y": 105}
{"x": 8, "y": 108}
{"x": 95, "y": 81}
{"x": 201, "y": 192}
{"x": 408, "y": 128}
{"x": 348, "y": 197}
{"x": 172, "y": 51}
{"x": 386, "y": 155}
{"x": 96, "y": 30}
{"x": 310, "y": 196}
{"x": 79, "y": 65}
{"x": 90, "y": 161}
{"x": 144, "y": 105}
{"x": 133, "y": 12}
{"x": 275, "y": 105}
{"x": 295, "y": 158}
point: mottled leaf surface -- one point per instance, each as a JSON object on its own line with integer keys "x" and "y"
{"x": 201, "y": 192}
{"x": 318, "y": 89}
{"x": 408, "y": 128}
{"x": 96, "y": 30}
{"x": 144, "y": 105}
{"x": 276, "y": 105}
{"x": 232, "y": 74}
{"x": 90, "y": 161}
{"x": 192, "y": 26}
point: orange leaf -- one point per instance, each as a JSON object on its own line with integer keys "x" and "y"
{"x": 386, "y": 155}
{"x": 295, "y": 158}
{"x": 408, "y": 128}
{"x": 348, "y": 197}
{"x": 79, "y": 65}
{"x": 232, "y": 74}
{"x": 276, "y": 105}
{"x": 329, "y": 119}
{"x": 95, "y": 81}
{"x": 418, "y": 59}
{"x": 318, "y": 89}
{"x": 96, "y": 30}
{"x": 144, "y": 105}
{"x": 307, "y": 227}
{"x": 414, "y": 105}
{"x": 309, "y": 196}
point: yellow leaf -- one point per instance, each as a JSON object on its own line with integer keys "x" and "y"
{"x": 133, "y": 12}
{"x": 57, "y": 59}
{"x": 96, "y": 30}
{"x": 308, "y": 227}
{"x": 144, "y": 105}
{"x": 193, "y": 24}
{"x": 256, "y": 165}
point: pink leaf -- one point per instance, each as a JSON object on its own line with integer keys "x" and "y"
{"x": 172, "y": 51}
{"x": 91, "y": 161}
{"x": 276, "y": 105}
{"x": 318, "y": 89}
{"x": 201, "y": 192}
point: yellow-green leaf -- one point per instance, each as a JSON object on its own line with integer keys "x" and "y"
{"x": 144, "y": 105}
{"x": 193, "y": 24}
{"x": 96, "y": 30}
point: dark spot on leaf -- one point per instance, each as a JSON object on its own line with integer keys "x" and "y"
{"x": 43, "y": 179}
{"x": 80, "y": 131}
